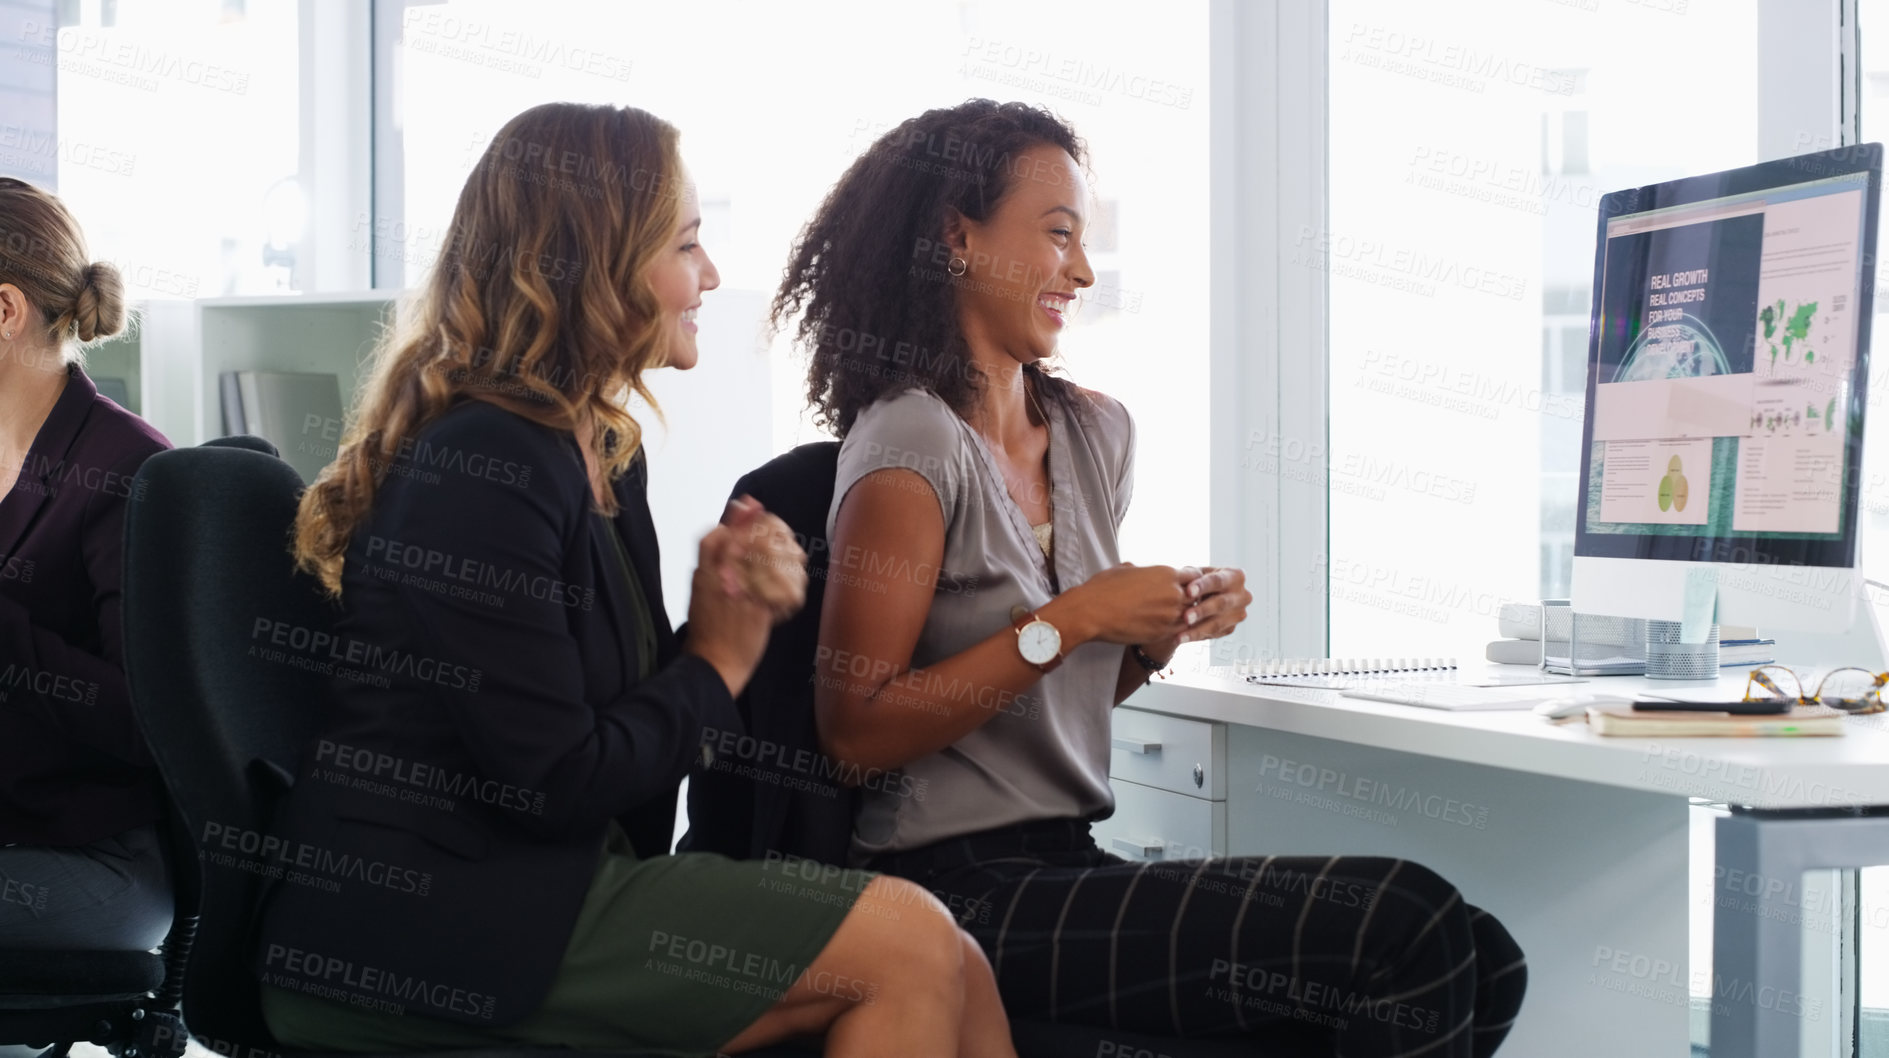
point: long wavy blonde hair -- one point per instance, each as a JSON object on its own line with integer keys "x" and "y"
{"x": 539, "y": 303}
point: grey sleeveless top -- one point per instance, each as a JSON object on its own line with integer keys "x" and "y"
{"x": 1043, "y": 754}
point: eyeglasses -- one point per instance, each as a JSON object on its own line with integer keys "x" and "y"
{"x": 1852, "y": 690}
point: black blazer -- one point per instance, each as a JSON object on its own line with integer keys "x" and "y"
{"x": 73, "y": 767}
{"x": 487, "y": 726}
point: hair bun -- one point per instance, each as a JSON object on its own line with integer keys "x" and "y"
{"x": 99, "y": 310}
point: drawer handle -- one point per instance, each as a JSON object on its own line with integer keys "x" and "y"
{"x": 1135, "y": 745}
{"x": 1146, "y": 849}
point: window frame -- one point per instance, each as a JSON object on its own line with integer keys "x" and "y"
{"x": 337, "y": 141}
{"x": 1268, "y": 362}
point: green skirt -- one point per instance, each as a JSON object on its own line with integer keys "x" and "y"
{"x": 673, "y": 956}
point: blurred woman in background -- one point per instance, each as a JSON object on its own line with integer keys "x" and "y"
{"x": 81, "y": 864}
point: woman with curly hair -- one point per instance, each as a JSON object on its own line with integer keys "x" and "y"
{"x": 481, "y": 828}
{"x": 930, "y": 288}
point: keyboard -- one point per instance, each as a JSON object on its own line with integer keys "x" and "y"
{"x": 1456, "y": 697}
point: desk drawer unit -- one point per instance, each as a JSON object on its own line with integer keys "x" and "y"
{"x": 1151, "y": 824}
{"x": 1169, "y": 778}
{"x": 1169, "y": 753}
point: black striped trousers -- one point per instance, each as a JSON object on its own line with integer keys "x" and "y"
{"x": 1371, "y": 957}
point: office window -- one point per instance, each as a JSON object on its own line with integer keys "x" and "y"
{"x": 772, "y": 115}
{"x": 168, "y": 138}
{"x": 1471, "y": 141}
{"x": 1470, "y": 144}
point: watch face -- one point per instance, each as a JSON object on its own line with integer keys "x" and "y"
{"x": 1039, "y": 642}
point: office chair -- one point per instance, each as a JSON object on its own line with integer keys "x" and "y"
{"x": 811, "y": 817}
{"x": 244, "y": 440}
{"x": 745, "y": 818}
{"x": 206, "y": 554}
{"x": 125, "y": 1001}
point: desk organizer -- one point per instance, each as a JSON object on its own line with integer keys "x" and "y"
{"x": 1669, "y": 659}
{"x": 1580, "y": 644}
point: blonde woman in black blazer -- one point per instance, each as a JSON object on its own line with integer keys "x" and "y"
{"x": 482, "y": 826}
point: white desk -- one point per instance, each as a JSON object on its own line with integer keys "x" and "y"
{"x": 1578, "y": 843}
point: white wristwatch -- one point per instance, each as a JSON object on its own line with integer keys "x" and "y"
{"x": 1038, "y": 641}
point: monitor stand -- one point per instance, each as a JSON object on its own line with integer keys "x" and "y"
{"x": 1861, "y": 645}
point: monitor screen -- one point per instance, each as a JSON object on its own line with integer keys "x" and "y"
{"x": 1727, "y": 363}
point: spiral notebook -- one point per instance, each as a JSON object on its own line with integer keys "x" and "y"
{"x": 1348, "y": 673}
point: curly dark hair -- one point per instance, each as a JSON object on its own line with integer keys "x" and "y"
{"x": 877, "y": 315}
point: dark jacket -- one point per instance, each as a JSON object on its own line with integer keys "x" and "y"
{"x": 73, "y": 767}
{"x": 487, "y": 726}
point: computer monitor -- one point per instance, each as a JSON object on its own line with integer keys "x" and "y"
{"x": 1727, "y": 368}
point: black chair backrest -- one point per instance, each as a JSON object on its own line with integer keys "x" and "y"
{"x": 802, "y": 810}
{"x": 222, "y": 654}
{"x": 244, "y": 440}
